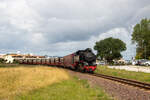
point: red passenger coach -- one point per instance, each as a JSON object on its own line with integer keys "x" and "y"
{"x": 68, "y": 61}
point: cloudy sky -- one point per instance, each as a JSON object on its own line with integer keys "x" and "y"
{"x": 60, "y": 27}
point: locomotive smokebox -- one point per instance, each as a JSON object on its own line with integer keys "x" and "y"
{"x": 89, "y": 56}
{"x": 86, "y": 55}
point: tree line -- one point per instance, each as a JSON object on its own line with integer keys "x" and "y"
{"x": 111, "y": 48}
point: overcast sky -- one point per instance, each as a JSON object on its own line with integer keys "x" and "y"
{"x": 60, "y": 27}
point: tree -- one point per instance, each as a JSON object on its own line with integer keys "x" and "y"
{"x": 2, "y": 60}
{"x": 141, "y": 36}
{"x": 110, "y": 48}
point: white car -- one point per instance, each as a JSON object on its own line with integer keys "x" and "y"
{"x": 147, "y": 63}
{"x": 102, "y": 63}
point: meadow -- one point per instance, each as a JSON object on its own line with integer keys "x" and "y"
{"x": 139, "y": 76}
{"x": 22, "y": 82}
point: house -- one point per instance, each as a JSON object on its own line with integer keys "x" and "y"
{"x": 11, "y": 57}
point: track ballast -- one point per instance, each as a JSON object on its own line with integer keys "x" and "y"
{"x": 125, "y": 81}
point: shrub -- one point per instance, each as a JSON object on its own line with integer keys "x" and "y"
{"x": 2, "y": 60}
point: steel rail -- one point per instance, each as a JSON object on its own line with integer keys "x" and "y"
{"x": 125, "y": 81}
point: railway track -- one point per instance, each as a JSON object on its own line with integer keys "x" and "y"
{"x": 125, "y": 81}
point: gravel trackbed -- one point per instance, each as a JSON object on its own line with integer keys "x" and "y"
{"x": 117, "y": 90}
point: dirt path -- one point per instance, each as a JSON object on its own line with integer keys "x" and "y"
{"x": 117, "y": 90}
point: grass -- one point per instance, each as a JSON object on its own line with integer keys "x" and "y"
{"x": 72, "y": 89}
{"x": 140, "y": 76}
{"x": 17, "y": 80}
{"x": 22, "y": 82}
{"x": 8, "y": 65}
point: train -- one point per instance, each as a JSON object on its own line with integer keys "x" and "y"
{"x": 81, "y": 60}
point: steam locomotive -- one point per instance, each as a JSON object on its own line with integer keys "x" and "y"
{"x": 82, "y": 60}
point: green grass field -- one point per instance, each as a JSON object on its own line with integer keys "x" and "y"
{"x": 72, "y": 89}
{"x": 22, "y": 82}
{"x": 140, "y": 76}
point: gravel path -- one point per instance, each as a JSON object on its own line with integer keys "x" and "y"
{"x": 133, "y": 68}
{"x": 117, "y": 90}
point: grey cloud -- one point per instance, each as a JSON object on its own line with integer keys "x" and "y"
{"x": 65, "y": 18}
{"x": 43, "y": 26}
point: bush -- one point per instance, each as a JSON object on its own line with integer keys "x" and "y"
{"x": 15, "y": 62}
{"x": 2, "y": 60}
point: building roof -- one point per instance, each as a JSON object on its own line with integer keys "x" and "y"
{"x": 24, "y": 56}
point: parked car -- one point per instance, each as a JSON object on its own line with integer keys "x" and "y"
{"x": 147, "y": 63}
{"x": 134, "y": 62}
{"x": 141, "y": 62}
{"x": 102, "y": 63}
